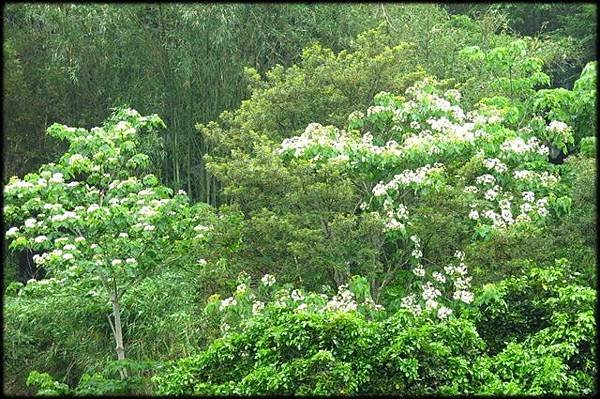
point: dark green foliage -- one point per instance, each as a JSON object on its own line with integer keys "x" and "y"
{"x": 233, "y": 81}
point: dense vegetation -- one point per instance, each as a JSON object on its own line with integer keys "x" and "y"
{"x": 311, "y": 200}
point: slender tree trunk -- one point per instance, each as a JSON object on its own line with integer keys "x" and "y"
{"x": 118, "y": 333}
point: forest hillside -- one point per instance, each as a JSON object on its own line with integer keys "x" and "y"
{"x": 299, "y": 199}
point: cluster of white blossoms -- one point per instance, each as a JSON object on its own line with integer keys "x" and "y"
{"x": 519, "y": 146}
{"x": 316, "y": 134}
{"x": 76, "y": 159}
{"x": 417, "y": 254}
{"x": 227, "y": 302}
{"x": 68, "y": 251}
{"x": 461, "y": 281}
{"x": 257, "y": 307}
{"x": 445, "y": 131}
{"x": 297, "y": 295}
{"x": 545, "y": 179}
{"x": 431, "y": 294}
{"x": 344, "y": 301}
{"x": 241, "y": 288}
{"x": 503, "y": 215}
{"x": 268, "y": 280}
{"x": 201, "y": 231}
{"x": 495, "y": 164}
{"x": 396, "y": 215}
{"x": 143, "y": 226}
{"x": 558, "y": 127}
{"x": 408, "y": 177}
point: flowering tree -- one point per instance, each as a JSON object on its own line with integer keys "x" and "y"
{"x": 426, "y": 146}
{"x": 96, "y": 214}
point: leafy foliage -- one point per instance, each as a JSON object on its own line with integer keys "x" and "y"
{"x": 408, "y": 212}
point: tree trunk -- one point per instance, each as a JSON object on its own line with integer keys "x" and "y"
{"x": 118, "y": 332}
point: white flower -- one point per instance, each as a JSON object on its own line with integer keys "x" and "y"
{"x": 30, "y": 223}
{"x": 202, "y": 262}
{"x": 200, "y": 228}
{"x": 93, "y": 208}
{"x": 40, "y": 239}
{"x": 431, "y": 304}
{"x": 504, "y": 204}
{"x": 69, "y": 247}
{"x": 181, "y": 192}
{"x": 507, "y": 215}
{"x": 417, "y": 253}
{"x": 379, "y": 190}
{"x": 79, "y": 239}
{"x": 227, "y": 302}
{"x": 471, "y": 189}
{"x": 268, "y": 280}
{"x": 241, "y": 288}
{"x": 429, "y": 291}
{"x": 93, "y": 246}
{"x": 542, "y": 202}
{"x": 557, "y": 126}
{"x": 528, "y": 196}
{"x": 523, "y": 174}
{"x": 474, "y": 214}
{"x": 543, "y": 150}
{"x": 302, "y": 307}
{"x": 147, "y": 211}
{"x": 257, "y": 307}
{"x": 444, "y": 312}
{"x": 76, "y": 158}
{"x": 68, "y": 256}
{"x": 149, "y": 227}
{"x": 485, "y": 179}
{"x": 297, "y": 295}
{"x": 526, "y": 207}
{"x": 409, "y": 302}
{"x": 116, "y": 262}
{"x": 467, "y": 297}
{"x": 12, "y": 231}
{"x": 130, "y": 260}
{"x": 419, "y": 271}
{"x": 490, "y": 194}
{"x": 57, "y": 178}
{"x": 38, "y": 260}
{"x": 542, "y": 211}
{"x": 224, "y": 327}
{"x": 463, "y": 295}
{"x": 439, "y": 277}
{"x": 123, "y": 235}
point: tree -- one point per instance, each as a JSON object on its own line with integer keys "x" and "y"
{"x": 90, "y": 217}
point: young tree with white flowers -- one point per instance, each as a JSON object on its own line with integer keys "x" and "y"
{"x": 97, "y": 214}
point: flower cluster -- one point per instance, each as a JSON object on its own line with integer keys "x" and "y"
{"x": 64, "y": 220}
{"x": 519, "y": 146}
{"x": 432, "y": 291}
{"x": 409, "y": 178}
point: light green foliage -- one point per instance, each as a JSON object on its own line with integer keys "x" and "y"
{"x": 408, "y": 212}
{"x": 287, "y": 348}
